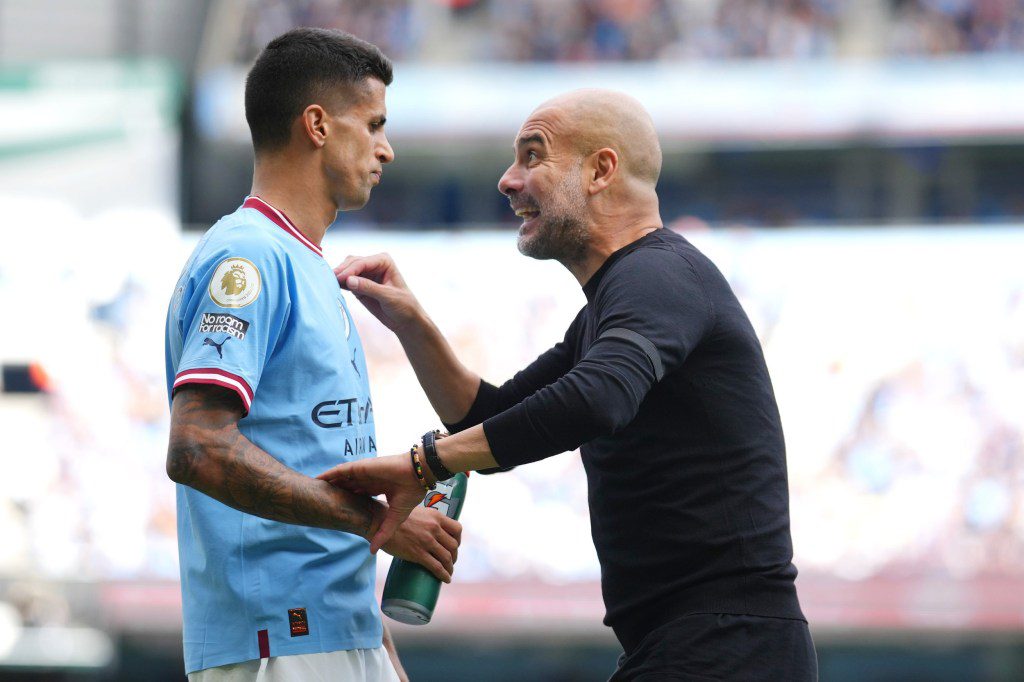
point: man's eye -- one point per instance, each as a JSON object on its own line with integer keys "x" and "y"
{"x": 531, "y": 155}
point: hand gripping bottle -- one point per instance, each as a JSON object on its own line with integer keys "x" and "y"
{"x": 410, "y": 592}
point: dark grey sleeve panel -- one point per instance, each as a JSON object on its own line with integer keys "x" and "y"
{"x": 645, "y": 345}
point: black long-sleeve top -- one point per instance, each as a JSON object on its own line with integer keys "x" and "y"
{"x": 661, "y": 382}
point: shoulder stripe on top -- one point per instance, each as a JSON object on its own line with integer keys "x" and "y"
{"x": 281, "y": 220}
{"x": 643, "y": 343}
{"x": 217, "y": 377}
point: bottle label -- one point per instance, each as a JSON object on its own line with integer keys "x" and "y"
{"x": 440, "y": 498}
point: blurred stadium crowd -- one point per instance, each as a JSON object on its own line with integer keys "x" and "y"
{"x": 631, "y": 30}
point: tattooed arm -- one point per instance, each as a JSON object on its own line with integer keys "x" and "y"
{"x": 209, "y": 453}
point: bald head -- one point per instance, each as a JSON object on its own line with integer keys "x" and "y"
{"x": 593, "y": 119}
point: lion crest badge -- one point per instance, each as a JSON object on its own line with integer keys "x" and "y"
{"x": 235, "y": 283}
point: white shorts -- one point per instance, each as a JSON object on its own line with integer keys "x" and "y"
{"x": 369, "y": 665}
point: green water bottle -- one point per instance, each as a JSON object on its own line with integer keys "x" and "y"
{"x": 410, "y": 592}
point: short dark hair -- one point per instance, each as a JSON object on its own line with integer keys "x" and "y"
{"x": 298, "y": 67}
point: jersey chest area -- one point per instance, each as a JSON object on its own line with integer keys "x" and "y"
{"x": 320, "y": 315}
{"x": 322, "y": 356}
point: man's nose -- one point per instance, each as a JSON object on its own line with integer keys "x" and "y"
{"x": 385, "y": 154}
{"x": 511, "y": 181}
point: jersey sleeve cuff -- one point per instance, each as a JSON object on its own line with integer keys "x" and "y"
{"x": 514, "y": 440}
{"x": 216, "y": 377}
{"x": 484, "y": 405}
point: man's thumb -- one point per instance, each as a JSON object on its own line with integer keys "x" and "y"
{"x": 365, "y": 287}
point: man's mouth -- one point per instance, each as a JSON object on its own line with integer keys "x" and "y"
{"x": 378, "y": 175}
{"x": 527, "y": 214}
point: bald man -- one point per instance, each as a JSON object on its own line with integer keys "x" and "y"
{"x": 661, "y": 383}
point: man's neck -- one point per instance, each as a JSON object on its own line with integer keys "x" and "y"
{"x": 290, "y": 192}
{"x": 604, "y": 242}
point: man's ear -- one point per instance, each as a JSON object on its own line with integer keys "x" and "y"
{"x": 604, "y": 164}
{"x": 314, "y": 124}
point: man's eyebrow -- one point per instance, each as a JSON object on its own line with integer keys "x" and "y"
{"x": 530, "y": 139}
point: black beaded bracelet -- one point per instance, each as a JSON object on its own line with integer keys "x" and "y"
{"x": 417, "y": 468}
{"x": 434, "y": 462}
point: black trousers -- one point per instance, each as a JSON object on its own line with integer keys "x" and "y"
{"x": 719, "y": 646}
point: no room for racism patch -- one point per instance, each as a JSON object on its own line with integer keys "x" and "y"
{"x": 222, "y": 323}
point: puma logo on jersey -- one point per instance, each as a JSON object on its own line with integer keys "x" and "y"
{"x": 219, "y": 346}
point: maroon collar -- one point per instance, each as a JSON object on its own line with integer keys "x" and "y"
{"x": 281, "y": 220}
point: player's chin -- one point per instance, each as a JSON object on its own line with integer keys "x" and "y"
{"x": 530, "y": 243}
{"x": 354, "y": 201}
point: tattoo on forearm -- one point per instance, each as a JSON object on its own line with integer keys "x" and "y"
{"x": 210, "y": 454}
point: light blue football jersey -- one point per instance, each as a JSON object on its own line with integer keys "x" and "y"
{"x": 258, "y": 310}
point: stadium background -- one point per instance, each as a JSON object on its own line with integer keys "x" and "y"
{"x": 855, "y": 169}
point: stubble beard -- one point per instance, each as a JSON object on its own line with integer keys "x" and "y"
{"x": 564, "y": 235}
